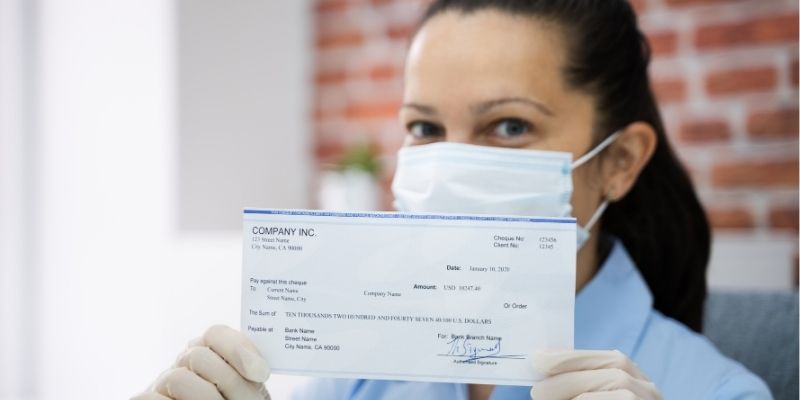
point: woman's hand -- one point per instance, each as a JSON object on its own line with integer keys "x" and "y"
{"x": 590, "y": 374}
{"x": 222, "y": 364}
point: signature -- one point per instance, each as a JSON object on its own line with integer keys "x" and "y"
{"x": 473, "y": 350}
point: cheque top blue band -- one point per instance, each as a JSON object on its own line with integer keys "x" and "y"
{"x": 401, "y": 215}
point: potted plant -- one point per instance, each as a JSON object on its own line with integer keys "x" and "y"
{"x": 353, "y": 183}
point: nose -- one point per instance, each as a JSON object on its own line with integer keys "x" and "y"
{"x": 459, "y": 136}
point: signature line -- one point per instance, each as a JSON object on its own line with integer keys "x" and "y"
{"x": 472, "y": 358}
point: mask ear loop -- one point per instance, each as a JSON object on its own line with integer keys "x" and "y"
{"x": 596, "y": 216}
{"x": 582, "y": 160}
{"x": 597, "y": 149}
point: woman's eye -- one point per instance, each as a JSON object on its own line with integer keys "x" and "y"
{"x": 511, "y": 128}
{"x": 424, "y": 130}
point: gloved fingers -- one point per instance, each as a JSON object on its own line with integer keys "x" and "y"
{"x": 238, "y": 351}
{"x": 211, "y": 367}
{"x": 621, "y": 394}
{"x": 150, "y": 396}
{"x": 571, "y": 384}
{"x": 182, "y": 384}
{"x": 557, "y": 362}
{"x": 198, "y": 341}
{"x": 152, "y": 387}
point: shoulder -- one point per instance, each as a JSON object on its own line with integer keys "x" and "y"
{"x": 685, "y": 364}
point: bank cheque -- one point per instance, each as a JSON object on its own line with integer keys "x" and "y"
{"x": 407, "y": 296}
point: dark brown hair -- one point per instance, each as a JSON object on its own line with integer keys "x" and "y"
{"x": 660, "y": 221}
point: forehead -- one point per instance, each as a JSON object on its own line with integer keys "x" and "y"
{"x": 485, "y": 53}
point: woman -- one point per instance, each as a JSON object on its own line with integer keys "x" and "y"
{"x": 540, "y": 76}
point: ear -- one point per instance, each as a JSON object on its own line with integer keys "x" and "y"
{"x": 626, "y": 158}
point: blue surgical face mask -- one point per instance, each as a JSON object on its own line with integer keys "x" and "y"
{"x": 471, "y": 179}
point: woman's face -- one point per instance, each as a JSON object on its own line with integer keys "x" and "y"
{"x": 493, "y": 79}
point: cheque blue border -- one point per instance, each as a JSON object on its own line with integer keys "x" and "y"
{"x": 387, "y": 214}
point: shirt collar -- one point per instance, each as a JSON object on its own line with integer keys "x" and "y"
{"x": 612, "y": 309}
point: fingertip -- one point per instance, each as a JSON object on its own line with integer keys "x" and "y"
{"x": 198, "y": 341}
{"x": 544, "y": 360}
{"x": 239, "y": 351}
{"x": 214, "y": 331}
{"x": 253, "y": 366}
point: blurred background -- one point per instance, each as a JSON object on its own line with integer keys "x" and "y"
{"x": 132, "y": 133}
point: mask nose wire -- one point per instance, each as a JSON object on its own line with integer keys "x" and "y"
{"x": 597, "y": 149}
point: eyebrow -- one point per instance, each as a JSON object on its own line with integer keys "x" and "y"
{"x": 421, "y": 108}
{"x": 485, "y": 106}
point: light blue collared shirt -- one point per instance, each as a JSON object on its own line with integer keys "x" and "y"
{"x": 613, "y": 311}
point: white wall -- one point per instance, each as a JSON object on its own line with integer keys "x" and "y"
{"x": 242, "y": 108}
{"x": 105, "y": 184}
{"x": 752, "y": 262}
{"x": 15, "y": 281}
{"x": 117, "y": 288}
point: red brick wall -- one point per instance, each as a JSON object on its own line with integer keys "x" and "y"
{"x": 725, "y": 73}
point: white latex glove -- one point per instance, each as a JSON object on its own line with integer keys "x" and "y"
{"x": 223, "y": 364}
{"x": 590, "y": 374}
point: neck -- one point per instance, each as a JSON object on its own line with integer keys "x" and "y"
{"x": 587, "y": 262}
